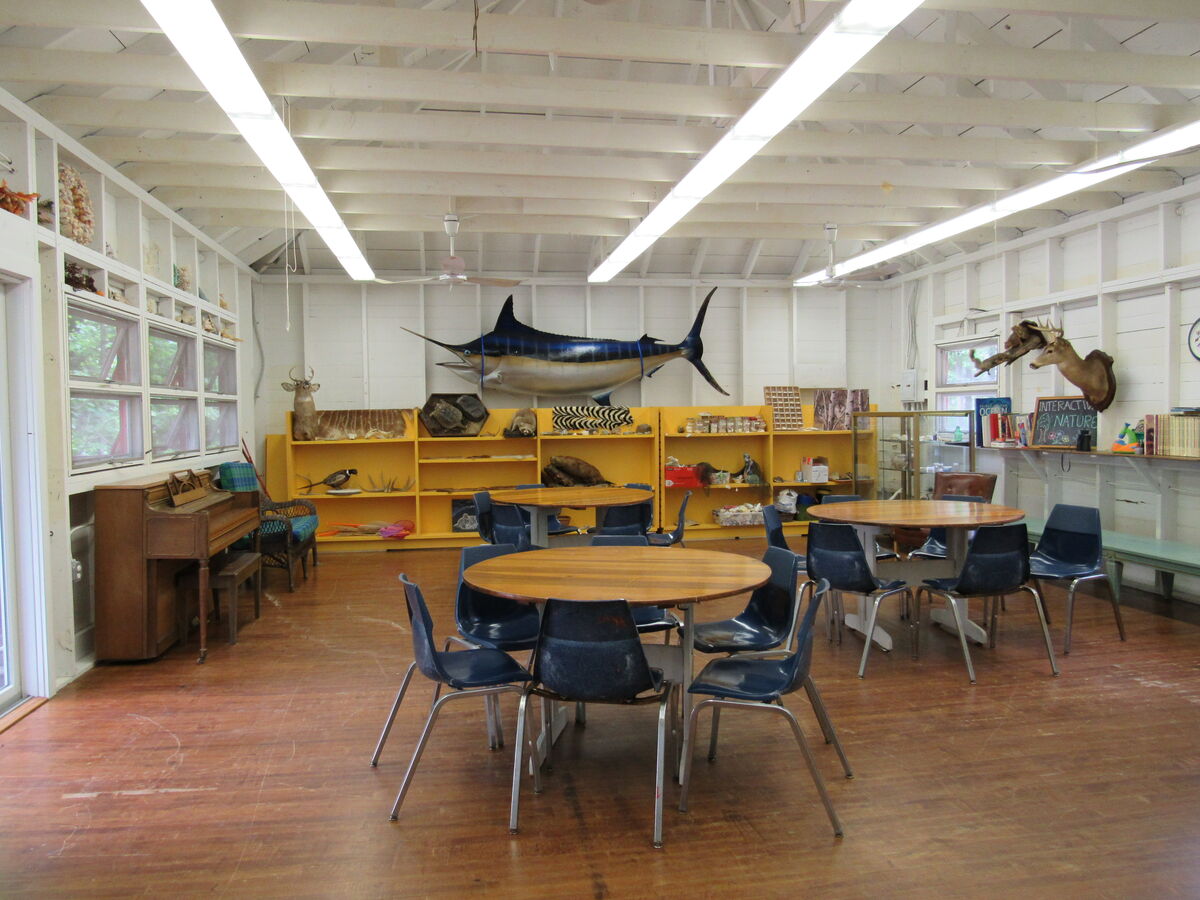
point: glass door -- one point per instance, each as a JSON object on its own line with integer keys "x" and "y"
{"x": 10, "y": 682}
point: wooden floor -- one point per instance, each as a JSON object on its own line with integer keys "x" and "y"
{"x": 249, "y": 776}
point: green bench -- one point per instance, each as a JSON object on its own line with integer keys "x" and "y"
{"x": 1166, "y": 558}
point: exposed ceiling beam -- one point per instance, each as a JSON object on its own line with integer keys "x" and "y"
{"x": 513, "y": 92}
{"x": 1147, "y": 11}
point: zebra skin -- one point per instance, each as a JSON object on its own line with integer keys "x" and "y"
{"x": 590, "y": 418}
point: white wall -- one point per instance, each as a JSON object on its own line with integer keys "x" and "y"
{"x": 353, "y": 337}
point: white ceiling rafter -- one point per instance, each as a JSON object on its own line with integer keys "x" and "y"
{"x": 576, "y": 118}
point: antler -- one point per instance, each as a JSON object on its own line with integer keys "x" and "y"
{"x": 292, "y": 374}
{"x": 1047, "y": 329}
{"x": 312, "y": 373}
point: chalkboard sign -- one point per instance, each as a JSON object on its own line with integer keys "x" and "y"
{"x": 1059, "y": 420}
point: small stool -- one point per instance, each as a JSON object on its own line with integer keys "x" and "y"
{"x": 238, "y": 569}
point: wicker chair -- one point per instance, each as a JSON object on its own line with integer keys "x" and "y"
{"x": 288, "y": 532}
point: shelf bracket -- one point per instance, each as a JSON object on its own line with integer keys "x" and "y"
{"x": 1153, "y": 481}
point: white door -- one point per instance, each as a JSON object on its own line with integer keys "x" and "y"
{"x": 10, "y": 679}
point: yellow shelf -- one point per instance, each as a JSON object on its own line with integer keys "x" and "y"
{"x": 724, "y": 434}
{"x": 812, "y": 483}
{"x": 593, "y": 437}
{"x": 368, "y": 442}
{"x": 478, "y": 437}
{"x": 371, "y": 495}
{"x": 478, "y": 459}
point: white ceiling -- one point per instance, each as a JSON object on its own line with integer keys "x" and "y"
{"x": 574, "y": 118}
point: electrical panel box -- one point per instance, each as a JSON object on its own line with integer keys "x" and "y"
{"x": 909, "y": 391}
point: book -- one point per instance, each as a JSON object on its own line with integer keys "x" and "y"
{"x": 985, "y": 406}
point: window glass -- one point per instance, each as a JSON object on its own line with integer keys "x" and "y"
{"x": 172, "y": 360}
{"x": 220, "y": 370}
{"x": 105, "y": 428}
{"x": 220, "y": 424}
{"x": 102, "y": 347}
{"x": 956, "y": 368}
{"x": 174, "y": 429}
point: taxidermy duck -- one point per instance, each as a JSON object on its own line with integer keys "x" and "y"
{"x": 517, "y": 358}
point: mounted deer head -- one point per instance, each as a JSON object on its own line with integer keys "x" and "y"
{"x": 1092, "y": 374}
{"x": 304, "y": 408}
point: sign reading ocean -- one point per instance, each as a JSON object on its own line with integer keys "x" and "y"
{"x": 1058, "y": 421}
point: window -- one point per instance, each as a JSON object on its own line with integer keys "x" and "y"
{"x": 172, "y": 359}
{"x": 102, "y": 347}
{"x": 105, "y": 427}
{"x": 957, "y": 369}
{"x": 220, "y": 424}
{"x": 220, "y": 370}
{"x": 174, "y": 429}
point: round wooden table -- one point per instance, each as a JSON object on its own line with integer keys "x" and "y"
{"x": 543, "y": 501}
{"x": 644, "y": 576}
{"x": 956, "y": 516}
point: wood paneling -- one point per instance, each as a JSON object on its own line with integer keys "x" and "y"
{"x": 249, "y": 776}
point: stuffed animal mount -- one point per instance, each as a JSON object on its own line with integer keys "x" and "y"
{"x": 518, "y": 358}
{"x": 1092, "y": 374}
{"x": 571, "y": 471}
{"x": 311, "y": 424}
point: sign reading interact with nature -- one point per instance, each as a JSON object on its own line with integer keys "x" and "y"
{"x": 519, "y": 359}
{"x": 1059, "y": 420}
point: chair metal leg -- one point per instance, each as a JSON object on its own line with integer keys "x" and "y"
{"x": 548, "y": 733}
{"x": 818, "y": 705}
{"x": 495, "y": 726}
{"x": 437, "y": 692}
{"x": 959, "y": 616}
{"x": 812, "y": 768}
{"x": 1070, "y": 616}
{"x": 712, "y": 739}
{"x": 521, "y": 739}
{"x": 1041, "y": 611}
{"x": 914, "y": 624}
{"x": 387, "y": 726}
{"x": 862, "y": 666}
{"x": 660, "y": 768}
{"x": 412, "y": 766}
{"x": 689, "y": 731}
{"x": 997, "y": 602}
{"x": 1037, "y": 586}
{"x": 1116, "y": 605}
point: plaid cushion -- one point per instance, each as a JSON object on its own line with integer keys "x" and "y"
{"x": 237, "y": 476}
{"x": 303, "y": 526}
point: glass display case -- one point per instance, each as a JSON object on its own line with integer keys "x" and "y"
{"x": 897, "y": 454}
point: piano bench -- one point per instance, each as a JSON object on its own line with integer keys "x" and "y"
{"x": 238, "y": 569}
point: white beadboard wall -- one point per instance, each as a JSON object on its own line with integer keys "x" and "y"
{"x": 1126, "y": 281}
{"x": 353, "y": 337}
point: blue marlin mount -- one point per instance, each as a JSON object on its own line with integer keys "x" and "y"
{"x": 519, "y": 359}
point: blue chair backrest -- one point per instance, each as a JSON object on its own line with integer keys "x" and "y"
{"x": 424, "y": 650}
{"x": 997, "y": 561}
{"x": 836, "y": 554}
{"x": 474, "y": 606}
{"x": 840, "y": 498}
{"x": 483, "y": 515}
{"x": 681, "y": 523}
{"x": 620, "y": 540}
{"x": 1072, "y": 534}
{"x": 774, "y": 602}
{"x": 774, "y": 525}
{"x": 634, "y": 519}
{"x": 938, "y": 533}
{"x": 590, "y": 651}
{"x": 501, "y": 523}
{"x": 800, "y": 662}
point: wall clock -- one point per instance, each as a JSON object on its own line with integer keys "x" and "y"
{"x": 1194, "y": 339}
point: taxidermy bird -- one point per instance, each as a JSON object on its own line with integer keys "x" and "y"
{"x": 333, "y": 480}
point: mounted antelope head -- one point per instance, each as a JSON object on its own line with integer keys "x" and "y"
{"x": 304, "y": 408}
{"x": 1092, "y": 374}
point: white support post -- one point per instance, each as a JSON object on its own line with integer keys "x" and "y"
{"x": 1172, "y": 337}
{"x": 1170, "y": 236}
{"x": 1053, "y": 261}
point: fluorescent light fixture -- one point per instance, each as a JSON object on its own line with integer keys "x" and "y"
{"x": 201, "y": 38}
{"x": 857, "y": 28}
{"x": 1104, "y": 168}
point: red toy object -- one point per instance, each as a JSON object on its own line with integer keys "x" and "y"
{"x": 682, "y": 476}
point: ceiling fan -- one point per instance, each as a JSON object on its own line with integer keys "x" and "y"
{"x": 877, "y": 273}
{"x": 454, "y": 268}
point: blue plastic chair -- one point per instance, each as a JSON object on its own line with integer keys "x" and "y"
{"x": 880, "y": 553}
{"x": 485, "y": 620}
{"x": 1072, "y": 549}
{"x": 997, "y": 564}
{"x": 935, "y": 545}
{"x": 769, "y": 620}
{"x": 468, "y": 673}
{"x": 590, "y": 652}
{"x": 647, "y": 618}
{"x": 835, "y": 554}
{"x": 671, "y": 538}
{"x": 501, "y": 523}
{"x": 633, "y": 519}
{"x": 739, "y": 682}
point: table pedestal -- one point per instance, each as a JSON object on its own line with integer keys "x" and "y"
{"x": 539, "y": 525}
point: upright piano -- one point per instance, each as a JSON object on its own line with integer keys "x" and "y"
{"x": 143, "y": 543}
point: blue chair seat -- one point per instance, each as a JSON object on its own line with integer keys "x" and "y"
{"x": 481, "y": 668}
{"x": 760, "y": 680}
{"x": 931, "y": 549}
{"x": 943, "y": 584}
{"x": 516, "y": 632}
{"x": 740, "y": 634}
{"x": 652, "y": 618}
{"x": 1047, "y": 567}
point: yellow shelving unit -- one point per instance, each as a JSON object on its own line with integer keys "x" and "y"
{"x": 435, "y": 472}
